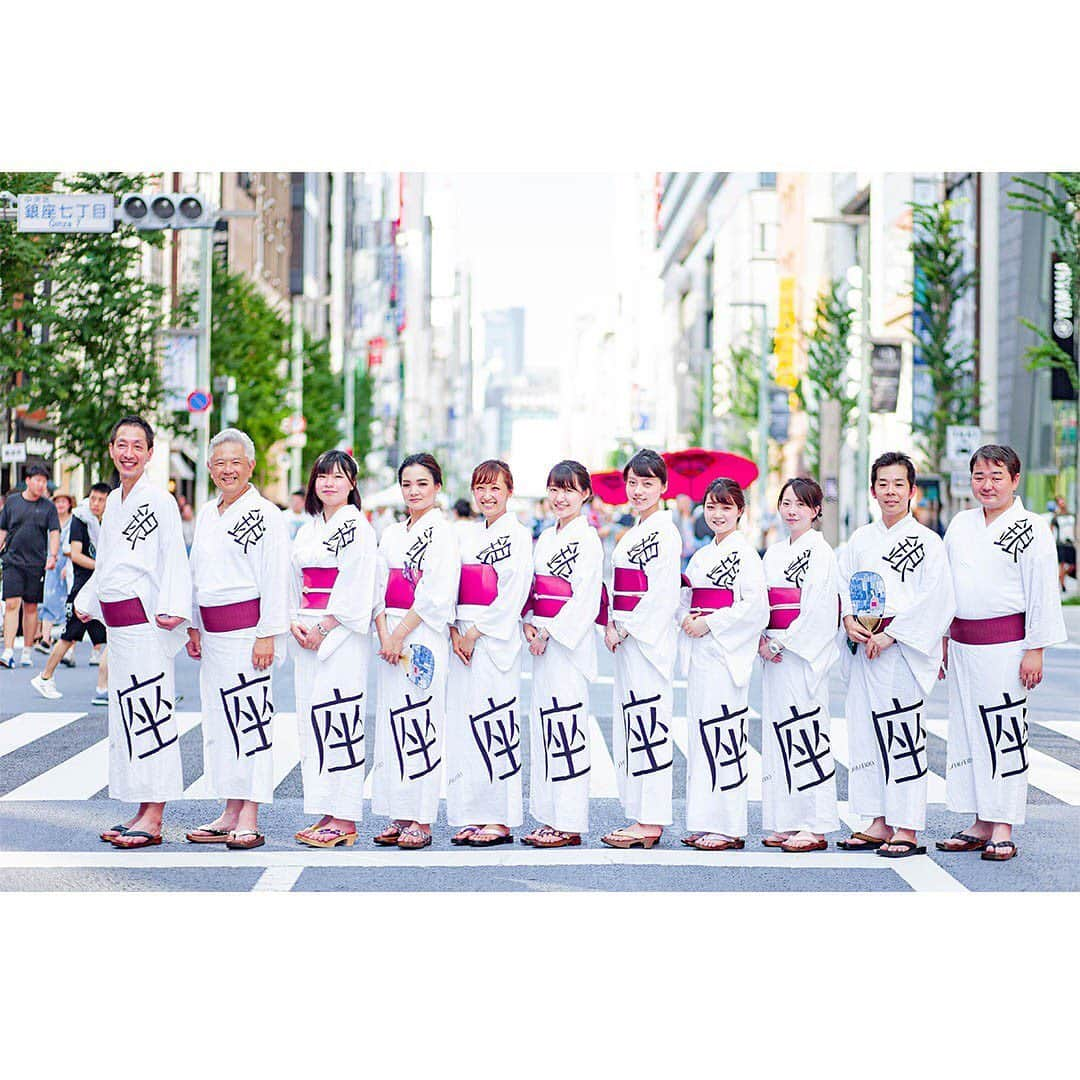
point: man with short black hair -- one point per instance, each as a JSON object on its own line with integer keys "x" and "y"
{"x": 30, "y": 544}
{"x": 1008, "y": 609}
{"x": 295, "y": 515}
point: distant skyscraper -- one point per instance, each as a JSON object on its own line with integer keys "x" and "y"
{"x": 504, "y": 341}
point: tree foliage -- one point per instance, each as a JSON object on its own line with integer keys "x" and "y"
{"x": 1061, "y": 205}
{"x": 745, "y": 378}
{"x": 95, "y": 353}
{"x": 322, "y": 400}
{"x": 826, "y": 377}
{"x": 940, "y": 283}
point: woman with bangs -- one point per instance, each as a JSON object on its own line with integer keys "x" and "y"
{"x": 419, "y": 566}
{"x": 722, "y": 615}
{"x": 643, "y": 636}
{"x": 483, "y": 734}
{"x": 562, "y": 610}
{"x": 333, "y": 562}
{"x": 798, "y": 647}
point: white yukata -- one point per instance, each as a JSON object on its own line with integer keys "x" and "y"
{"x": 483, "y": 727}
{"x": 333, "y": 573}
{"x": 1006, "y": 568}
{"x": 647, "y": 561}
{"x": 421, "y": 558}
{"x": 887, "y": 774}
{"x": 798, "y": 782}
{"x": 559, "y": 738}
{"x": 141, "y": 559}
{"x": 718, "y": 668}
{"x": 240, "y": 573}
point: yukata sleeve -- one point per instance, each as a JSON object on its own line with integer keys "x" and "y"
{"x": 502, "y": 620}
{"x": 578, "y": 614}
{"x": 655, "y": 611}
{"x": 922, "y": 624}
{"x": 845, "y": 567}
{"x": 1044, "y": 622}
{"x": 173, "y": 569}
{"x": 814, "y": 629}
{"x": 352, "y": 598}
{"x": 273, "y": 571}
{"x": 733, "y": 627}
{"x": 437, "y": 589}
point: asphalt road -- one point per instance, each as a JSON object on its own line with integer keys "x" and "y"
{"x": 53, "y": 803}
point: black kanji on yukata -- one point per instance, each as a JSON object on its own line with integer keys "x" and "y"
{"x": 648, "y": 738}
{"x": 415, "y": 735}
{"x": 643, "y": 553}
{"x": 338, "y": 724}
{"x": 498, "y": 739}
{"x": 249, "y": 530}
{"x": 1016, "y": 539}
{"x": 724, "y": 574}
{"x": 1006, "y": 730}
{"x": 906, "y": 555}
{"x": 724, "y": 740}
{"x": 148, "y": 717}
{"x": 561, "y": 564}
{"x": 249, "y": 710}
{"x": 804, "y": 746}
{"x": 341, "y": 539}
{"x": 142, "y": 524}
{"x": 902, "y": 741}
{"x": 796, "y": 569}
{"x": 495, "y": 552}
{"x": 564, "y": 741}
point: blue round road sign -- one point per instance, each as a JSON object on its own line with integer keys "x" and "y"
{"x": 199, "y": 401}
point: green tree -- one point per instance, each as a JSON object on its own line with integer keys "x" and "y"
{"x": 365, "y": 406}
{"x": 99, "y": 329}
{"x": 745, "y": 379}
{"x": 826, "y": 376}
{"x": 941, "y": 282}
{"x": 322, "y": 400}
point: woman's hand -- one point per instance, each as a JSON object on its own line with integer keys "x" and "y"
{"x": 457, "y": 643}
{"x": 855, "y": 630}
{"x": 695, "y": 626}
{"x": 611, "y": 637}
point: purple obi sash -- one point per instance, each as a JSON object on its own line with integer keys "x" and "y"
{"x": 549, "y": 594}
{"x": 479, "y": 585}
{"x": 316, "y": 583}
{"x": 117, "y": 613}
{"x": 400, "y": 591}
{"x": 630, "y": 585}
{"x": 783, "y": 607}
{"x": 709, "y": 600}
{"x": 222, "y": 618}
{"x": 997, "y": 631}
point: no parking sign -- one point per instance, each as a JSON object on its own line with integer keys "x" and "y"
{"x": 199, "y": 401}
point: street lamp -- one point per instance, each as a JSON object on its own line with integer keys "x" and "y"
{"x": 861, "y": 224}
{"x": 762, "y": 399}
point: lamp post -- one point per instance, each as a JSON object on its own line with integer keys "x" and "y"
{"x": 763, "y": 398}
{"x": 861, "y": 224}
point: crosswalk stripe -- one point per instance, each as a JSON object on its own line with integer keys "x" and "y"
{"x": 935, "y": 784}
{"x": 82, "y": 775}
{"x": 1044, "y": 772}
{"x": 1068, "y": 728}
{"x": 28, "y": 726}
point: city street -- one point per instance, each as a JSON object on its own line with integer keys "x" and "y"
{"x": 54, "y": 802}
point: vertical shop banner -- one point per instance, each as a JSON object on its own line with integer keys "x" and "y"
{"x": 1062, "y": 325}
{"x": 885, "y": 357}
{"x": 922, "y": 387}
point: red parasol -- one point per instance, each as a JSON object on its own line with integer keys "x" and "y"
{"x": 691, "y": 471}
{"x": 609, "y": 486}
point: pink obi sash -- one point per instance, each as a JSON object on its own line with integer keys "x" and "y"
{"x": 998, "y": 631}
{"x": 783, "y": 607}
{"x": 708, "y": 600}
{"x": 630, "y": 586}
{"x": 117, "y": 613}
{"x": 222, "y": 618}
{"x": 479, "y": 585}
{"x": 400, "y": 591}
{"x": 316, "y": 583}
{"x": 549, "y": 594}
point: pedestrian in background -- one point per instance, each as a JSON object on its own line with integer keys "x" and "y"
{"x": 294, "y": 514}
{"x": 29, "y": 546}
{"x": 82, "y": 552}
{"x": 58, "y": 579}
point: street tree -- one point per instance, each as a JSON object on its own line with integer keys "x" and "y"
{"x": 941, "y": 282}
{"x": 322, "y": 400}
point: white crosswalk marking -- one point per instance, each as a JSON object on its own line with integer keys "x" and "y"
{"x": 28, "y": 726}
{"x": 1044, "y": 772}
{"x": 82, "y": 775}
{"x": 1068, "y": 728}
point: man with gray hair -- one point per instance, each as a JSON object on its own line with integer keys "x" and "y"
{"x": 240, "y": 614}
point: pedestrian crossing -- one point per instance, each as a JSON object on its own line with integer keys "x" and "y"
{"x": 85, "y": 772}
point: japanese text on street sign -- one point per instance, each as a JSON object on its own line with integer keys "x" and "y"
{"x": 75, "y": 213}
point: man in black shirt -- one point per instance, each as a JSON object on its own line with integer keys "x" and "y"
{"x": 83, "y": 554}
{"x": 30, "y": 543}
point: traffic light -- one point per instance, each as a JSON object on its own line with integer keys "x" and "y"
{"x": 165, "y": 210}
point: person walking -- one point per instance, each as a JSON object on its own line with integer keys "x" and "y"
{"x": 29, "y": 546}
{"x": 57, "y": 580}
{"x": 141, "y": 590}
{"x": 82, "y": 552}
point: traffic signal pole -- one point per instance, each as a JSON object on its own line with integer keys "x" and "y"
{"x": 202, "y": 366}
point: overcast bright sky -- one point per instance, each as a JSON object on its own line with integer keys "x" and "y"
{"x": 542, "y": 241}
